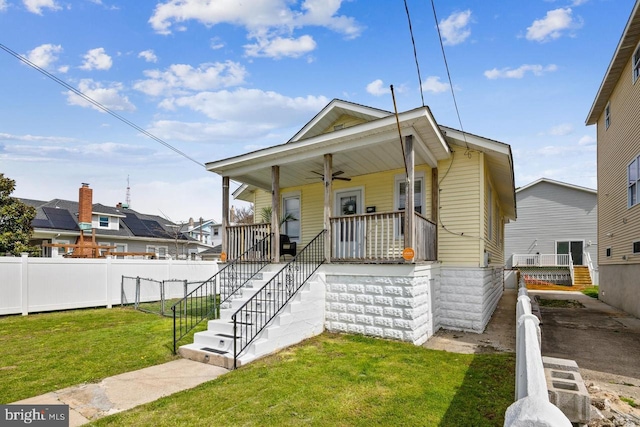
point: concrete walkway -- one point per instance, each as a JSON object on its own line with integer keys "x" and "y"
{"x": 89, "y": 402}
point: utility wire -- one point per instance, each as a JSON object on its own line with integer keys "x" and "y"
{"x": 98, "y": 105}
{"x": 446, "y": 64}
{"x": 415, "y": 54}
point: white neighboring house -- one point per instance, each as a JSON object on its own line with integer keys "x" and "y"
{"x": 556, "y": 228}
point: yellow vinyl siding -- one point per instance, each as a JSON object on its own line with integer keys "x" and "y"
{"x": 378, "y": 191}
{"x": 493, "y": 243}
{"x": 261, "y": 199}
{"x": 618, "y": 225}
{"x": 346, "y": 121}
{"x": 460, "y": 234}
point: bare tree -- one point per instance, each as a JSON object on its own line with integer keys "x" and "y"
{"x": 243, "y": 215}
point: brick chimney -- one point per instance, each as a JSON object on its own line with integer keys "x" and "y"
{"x": 85, "y": 207}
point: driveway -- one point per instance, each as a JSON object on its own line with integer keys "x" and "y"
{"x": 604, "y": 341}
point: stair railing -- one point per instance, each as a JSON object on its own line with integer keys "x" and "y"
{"x": 571, "y": 272}
{"x": 587, "y": 257}
{"x": 204, "y": 301}
{"x": 255, "y": 314}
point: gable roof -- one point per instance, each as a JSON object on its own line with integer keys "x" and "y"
{"x": 554, "y": 182}
{"x": 361, "y": 149}
{"x": 332, "y": 112}
{"x": 626, "y": 46}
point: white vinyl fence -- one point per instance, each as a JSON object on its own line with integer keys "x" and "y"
{"x": 29, "y": 285}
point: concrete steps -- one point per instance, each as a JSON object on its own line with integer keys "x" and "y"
{"x": 301, "y": 318}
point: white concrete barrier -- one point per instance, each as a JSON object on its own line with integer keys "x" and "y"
{"x": 29, "y": 285}
{"x": 532, "y": 406}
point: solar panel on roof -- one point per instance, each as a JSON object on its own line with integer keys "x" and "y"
{"x": 136, "y": 226}
{"x": 155, "y": 228}
{"x": 60, "y": 218}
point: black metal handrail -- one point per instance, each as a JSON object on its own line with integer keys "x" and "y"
{"x": 204, "y": 301}
{"x": 255, "y": 314}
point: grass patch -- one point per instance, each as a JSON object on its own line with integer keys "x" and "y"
{"x": 344, "y": 380}
{"x": 48, "y": 351}
{"x": 591, "y": 291}
{"x": 559, "y": 303}
{"x": 630, "y": 402}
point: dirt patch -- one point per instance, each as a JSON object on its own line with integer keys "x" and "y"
{"x": 559, "y": 303}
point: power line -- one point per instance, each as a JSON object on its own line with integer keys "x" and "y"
{"x": 415, "y": 54}
{"x": 446, "y": 64}
{"x": 98, "y": 105}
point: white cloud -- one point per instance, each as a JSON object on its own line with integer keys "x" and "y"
{"x": 34, "y": 138}
{"x": 434, "y": 85}
{"x": 266, "y": 14}
{"x": 63, "y": 69}
{"x": 561, "y": 129}
{"x": 578, "y": 2}
{"x": 36, "y": 6}
{"x": 215, "y": 43}
{"x": 270, "y": 23}
{"x": 552, "y": 25}
{"x": 148, "y": 55}
{"x": 44, "y": 55}
{"x": 3, "y": 5}
{"x": 96, "y": 59}
{"x": 268, "y": 109}
{"x": 110, "y": 96}
{"x": 377, "y": 88}
{"x": 587, "y": 140}
{"x": 179, "y": 78}
{"x": 518, "y": 73}
{"x": 455, "y": 28}
{"x": 280, "y": 47}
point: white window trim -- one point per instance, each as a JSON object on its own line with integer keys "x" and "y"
{"x": 155, "y": 250}
{"x": 396, "y": 190}
{"x": 607, "y": 115}
{"x": 632, "y": 245}
{"x": 290, "y": 195}
{"x": 607, "y": 252}
{"x": 637, "y": 183}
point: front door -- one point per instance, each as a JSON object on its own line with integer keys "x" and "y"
{"x": 348, "y": 235}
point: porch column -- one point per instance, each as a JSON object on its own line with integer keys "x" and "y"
{"x": 275, "y": 212}
{"x": 328, "y": 173}
{"x": 409, "y": 231}
{"x": 225, "y": 214}
{"x": 435, "y": 205}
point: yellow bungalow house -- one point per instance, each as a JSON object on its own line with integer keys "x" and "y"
{"x": 347, "y": 181}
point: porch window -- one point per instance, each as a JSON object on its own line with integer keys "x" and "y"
{"x": 401, "y": 193}
{"x": 636, "y": 64}
{"x": 632, "y": 174}
{"x": 291, "y": 209}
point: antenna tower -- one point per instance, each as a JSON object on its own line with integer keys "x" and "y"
{"x": 128, "y": 199}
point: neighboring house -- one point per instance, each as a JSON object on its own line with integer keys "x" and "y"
{"x": 346, "y": 172}
{"x": 129, "y": 233}
{"x": 556, "y": 229}
{"x": 615, "y": 111}
{"x": 204, "y": 231}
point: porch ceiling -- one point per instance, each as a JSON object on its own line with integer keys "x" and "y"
{"x": 358, "y": 150}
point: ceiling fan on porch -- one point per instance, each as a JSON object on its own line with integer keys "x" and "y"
{"x": 335, "y": 175}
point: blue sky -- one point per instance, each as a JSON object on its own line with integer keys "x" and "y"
{"x": 217, "y": 78}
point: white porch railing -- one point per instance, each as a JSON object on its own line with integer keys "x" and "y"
{"x": 242, "y": 237}
{"x": 532, "y": 405}
{"x": 380, "y": 237}
{"x": 587, "y": 259}
{"x": 541, "y": 260}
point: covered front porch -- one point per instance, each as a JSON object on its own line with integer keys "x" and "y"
{"x": 353, "y": 171}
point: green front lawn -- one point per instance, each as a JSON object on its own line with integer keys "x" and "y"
{"x": 49, "y": 351}
{"x": 344, "y": 380}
